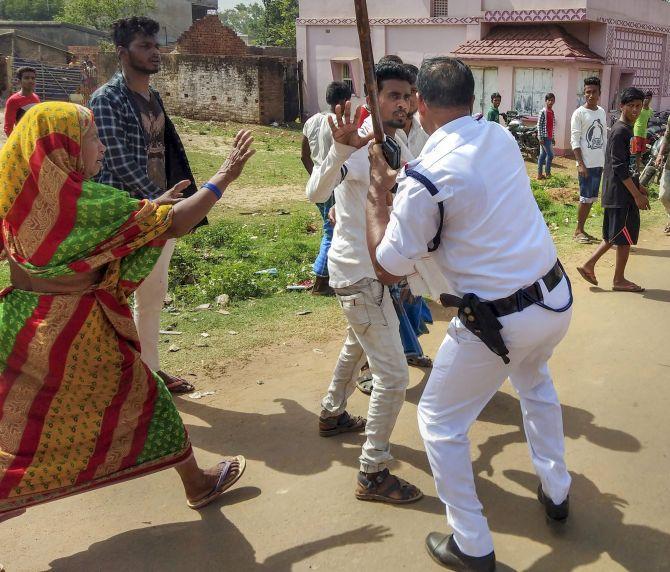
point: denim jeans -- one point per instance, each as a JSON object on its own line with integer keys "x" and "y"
{"x": 546, "y": 155}
{"x": 321, "y": 263}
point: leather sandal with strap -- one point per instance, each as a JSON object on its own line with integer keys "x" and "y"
{"x": 343, "y": 423}
{"x": 382, "y": 486}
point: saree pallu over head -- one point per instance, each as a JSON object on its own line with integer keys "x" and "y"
{"x": 78, "y": 408}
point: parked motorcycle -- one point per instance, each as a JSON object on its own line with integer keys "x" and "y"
{"x": 525, "y": 135}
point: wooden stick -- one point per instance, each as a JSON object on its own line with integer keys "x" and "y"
{"x": 363, "y": 25}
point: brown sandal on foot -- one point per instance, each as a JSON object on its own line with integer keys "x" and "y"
{"x": 226, "y": 480}
{"x": 343, "y": 423}
{"x": 383, "y": 485}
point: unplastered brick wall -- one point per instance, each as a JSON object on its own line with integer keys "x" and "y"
{"x": 248, "y": 89}
{"x": 214, "y": 88}
{"x": 209, "y": 36}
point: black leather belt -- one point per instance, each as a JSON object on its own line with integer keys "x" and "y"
{"x": 518, "y": 302}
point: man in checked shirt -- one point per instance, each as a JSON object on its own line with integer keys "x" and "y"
{"x": 144, "y": 157}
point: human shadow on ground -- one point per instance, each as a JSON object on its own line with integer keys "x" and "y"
{"x": 212, "y": 543}
{"x": 596, "y": 527}
{"x": 650, "y": 252}
{"x": 289, "y": 442}
{"x": 504, "y": 409}
{"x": 649, "y": 293}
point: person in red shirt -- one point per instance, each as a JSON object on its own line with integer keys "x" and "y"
{"x": 21, "y": 101}
{"x": 546, "y": 125}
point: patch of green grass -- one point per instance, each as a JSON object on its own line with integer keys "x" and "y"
{"x": 265, "y": 169}
{"x": 225, "y": 257}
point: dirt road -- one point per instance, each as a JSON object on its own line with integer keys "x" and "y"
{"x": 295, "y": 510}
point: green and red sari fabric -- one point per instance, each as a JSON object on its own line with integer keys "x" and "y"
{"x": 78, "y": 407}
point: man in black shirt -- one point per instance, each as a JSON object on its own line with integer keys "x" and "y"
{"x": 623, "y": 196}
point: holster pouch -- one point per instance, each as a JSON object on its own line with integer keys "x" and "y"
{"x": 391, "y": 151}
{"x": 478, "y": 317}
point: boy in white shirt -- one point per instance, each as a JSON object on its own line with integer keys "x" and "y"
{"x": 316, "y": 143}
{"x": 589, "y": 139}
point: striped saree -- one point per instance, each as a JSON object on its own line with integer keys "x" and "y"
{"x": 78, "y": 408}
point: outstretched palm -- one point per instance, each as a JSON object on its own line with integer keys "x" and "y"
{"x": 345, "y": 129}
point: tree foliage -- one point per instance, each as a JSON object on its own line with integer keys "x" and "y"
{"x": 268, "y": 23}
{"x": 101, "y": 13}
{"x": 29, "y": 9}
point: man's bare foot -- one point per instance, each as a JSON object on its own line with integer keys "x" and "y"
{"x": 626, "y": 286}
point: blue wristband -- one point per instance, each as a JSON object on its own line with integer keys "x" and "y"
{"x": 212, "y": 187}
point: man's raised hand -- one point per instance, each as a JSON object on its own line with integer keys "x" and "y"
{"x": 345, "y": 129}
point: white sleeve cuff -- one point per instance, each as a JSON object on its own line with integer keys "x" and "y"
{"x": 392, "y": 261}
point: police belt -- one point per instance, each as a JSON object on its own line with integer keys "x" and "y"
{"x": 481, "y": 317}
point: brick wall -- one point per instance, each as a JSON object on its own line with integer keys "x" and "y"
{"x": 271, "y": 85}
{"x": 208, "y": 36}
{"x": 246, "y": 89}
{"x": 215, "y": 88}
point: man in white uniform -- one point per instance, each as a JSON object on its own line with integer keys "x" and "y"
{"x": 373, "y": 327}
{"x": 475, "y": 170}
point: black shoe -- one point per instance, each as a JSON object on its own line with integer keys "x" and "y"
{"x": 557, "y": 512}
{"x": 444, "y": 550}
{"x": 321, "y": 287}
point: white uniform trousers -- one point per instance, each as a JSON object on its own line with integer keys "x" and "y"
{"x": 373, "y": 330}
{"x": 149, "y": 300}
{"x": 465, "y": 376}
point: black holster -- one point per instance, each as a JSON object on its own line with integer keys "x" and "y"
{"x": 478, "y": 317}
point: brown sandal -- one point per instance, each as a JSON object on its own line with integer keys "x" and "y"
{"x": 343, "y": 423}
{"x": 381, "y": 487}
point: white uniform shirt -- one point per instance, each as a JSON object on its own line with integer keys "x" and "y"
{"x": 417, "y": 138}
{"x": 588, "y": 132}
{"x": 320, "y": 138}
{"x": 494, "y": 239}
{"x": 348, "y": 171}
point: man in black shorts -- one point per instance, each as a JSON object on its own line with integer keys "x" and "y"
{"x": 623, "y": 196}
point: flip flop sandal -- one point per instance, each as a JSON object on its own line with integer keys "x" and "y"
{"x": 345, "y": 423}
{"x": 380, "y": 489}
{"x": 178, "y": 385}
{"x": 590, "y": 278}
{"x": 224, "y": 483}
{"x": 365, "y": 383}
{"x": 421, "y": 361}
{"x": 634, "y": 288}
{"x": 591, "y": 237}
{"x": 581, "y": 239}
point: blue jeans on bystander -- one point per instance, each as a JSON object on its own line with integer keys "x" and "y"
{"x": 546, "y": 156}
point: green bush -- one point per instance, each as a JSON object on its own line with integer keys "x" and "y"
{"x": 542, "y": 198}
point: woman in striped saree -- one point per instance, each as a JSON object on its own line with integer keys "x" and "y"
{"x": 78, "y": 407}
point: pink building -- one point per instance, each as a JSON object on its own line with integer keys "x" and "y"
{"x": 520, "y": 48}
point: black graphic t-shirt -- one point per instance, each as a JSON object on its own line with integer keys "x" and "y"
{"x": 617, "y": 167}
{"x": 153, "y": 123}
